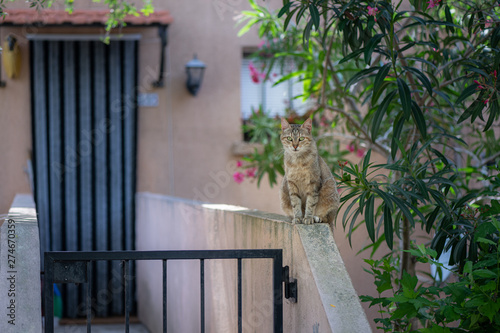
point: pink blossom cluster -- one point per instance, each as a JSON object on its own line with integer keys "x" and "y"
{"x": 483, "y": 85}
{"x": 433, "y": 3}
{"x": 239, "y": 176}
{"x": 372, "y": 11}
{"x": 352, "y": 147}
{"x": 255, "y": 74}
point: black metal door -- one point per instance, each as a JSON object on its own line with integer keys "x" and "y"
{"x": 84, "y": 140}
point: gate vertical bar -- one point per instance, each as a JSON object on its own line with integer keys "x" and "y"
{"x": 101, "y": 124}
{"x": 240, "y": 301}
{"x": 126, "y": 277}
{"x": 202, "y": 294}
{"x": 48, "y": 290}
{"x": 278, "y": 292}
{"x": 165, "y": 286}
{"x": 89, "y": 296}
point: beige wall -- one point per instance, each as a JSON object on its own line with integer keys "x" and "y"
{"x": 184, "y": 144}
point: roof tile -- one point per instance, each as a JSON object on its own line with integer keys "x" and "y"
{"x": 78, "y": 17}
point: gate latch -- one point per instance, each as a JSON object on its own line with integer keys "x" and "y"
{"x": 290, "y": 285}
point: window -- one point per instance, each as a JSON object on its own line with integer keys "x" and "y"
{"x": 273, "y": 100}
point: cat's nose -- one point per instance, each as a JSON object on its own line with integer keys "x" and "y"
{"x": 295, "y": 147}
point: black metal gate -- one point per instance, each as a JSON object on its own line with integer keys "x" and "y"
{"x": 76, "y": 267}
{"x": 84, "y": 142}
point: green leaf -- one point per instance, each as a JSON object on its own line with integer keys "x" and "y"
{"x": 471, "y": 89}
{"x": 449, "y": 18}
{"x": 366, "y": 160}
{"x": 493, "y": 112}
{"x": 370, "y": 46}
{"x": 422, "y": 78}
{"x": 405, "y": 96}
{"x": 247, "y": 26}
{"x": 370, "y": 218}
{"x": 388, "y": 231}
{"x": 289, "y": 18}
{"x": 314, "y": 16}
{"x": 379, "y": 79}
{"x": 284, "y": 9}
{"x": 431, "y": 218}
{"x": 418, "y": 116}
{"x": 359, "y": 75}
{"x": 486, "y": 241}
{"x": 484, "y": 273}
{"x": 448, "y": 24}
{"x": 351, "y": 55}
{"x": 289, "y": 76}
{"x": 379, "y": 114}
{"x": 300, "y": 14}
{"x": 307, "y": 34}
{"x": 404, "y": 209}
{"x": 396, "y": 133}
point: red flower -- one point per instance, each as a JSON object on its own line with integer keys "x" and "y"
{"x": 372, "y": 11}
{"x": 239, "y": 164}
{"x": 251, "y": 172}
{"x": 238, "y": 177}
{"x": 254, "y": 73}
{"x": 433, "y": 3}
{"x": 360, "y": 152}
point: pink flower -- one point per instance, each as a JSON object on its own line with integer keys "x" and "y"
{"x": 372, "y": 11}
{"x": 486, "y": 101}
{"x": 433, "y": 3}
{"x": 254, "y": 73}
{"x": 238, "y": 177}
{"x": 351, "y": 147}
{"x": 479, "y": 85}
{"x": 251, "y": 172}
{"x": 360, "y": 152}
{"x": 495, "y": 73}
{"x": 239, "y": 164}
{"x": 488, "y": 23}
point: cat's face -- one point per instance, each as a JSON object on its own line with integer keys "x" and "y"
{"x": 296, "y": 138}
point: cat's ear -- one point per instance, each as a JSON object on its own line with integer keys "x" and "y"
{"x": 284, "y": 123}
{"x": 307, "y": 125}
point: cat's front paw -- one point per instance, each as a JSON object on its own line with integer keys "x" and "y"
{"x": 308, "y": 220}
{"x": 297, "y": 220}
{"x": 317, "y": 219}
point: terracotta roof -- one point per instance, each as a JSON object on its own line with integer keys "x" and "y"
{"x": 78, "y": 17}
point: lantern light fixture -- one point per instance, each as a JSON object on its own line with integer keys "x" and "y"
{"x": 194, "y": 70}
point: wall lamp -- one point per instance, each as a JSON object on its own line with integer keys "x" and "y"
{"x": 194, "y": 71}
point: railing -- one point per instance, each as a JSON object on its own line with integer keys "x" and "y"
{"x": 76, "y": 267}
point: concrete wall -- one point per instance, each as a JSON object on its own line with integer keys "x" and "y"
{"x": 20, "y": 290}
{"x": 327, "y": 302}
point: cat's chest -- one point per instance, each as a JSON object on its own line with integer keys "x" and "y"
{"x": 302, "y": 173}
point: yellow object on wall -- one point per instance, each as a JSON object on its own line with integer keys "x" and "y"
{"x": 11, "y": 57}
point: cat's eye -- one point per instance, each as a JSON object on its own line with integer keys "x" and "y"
{"x": 301, "y": 138}
{"x": 289, "y": 138}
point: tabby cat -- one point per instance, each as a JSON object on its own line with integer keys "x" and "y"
{"x": 308, "y": 192}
